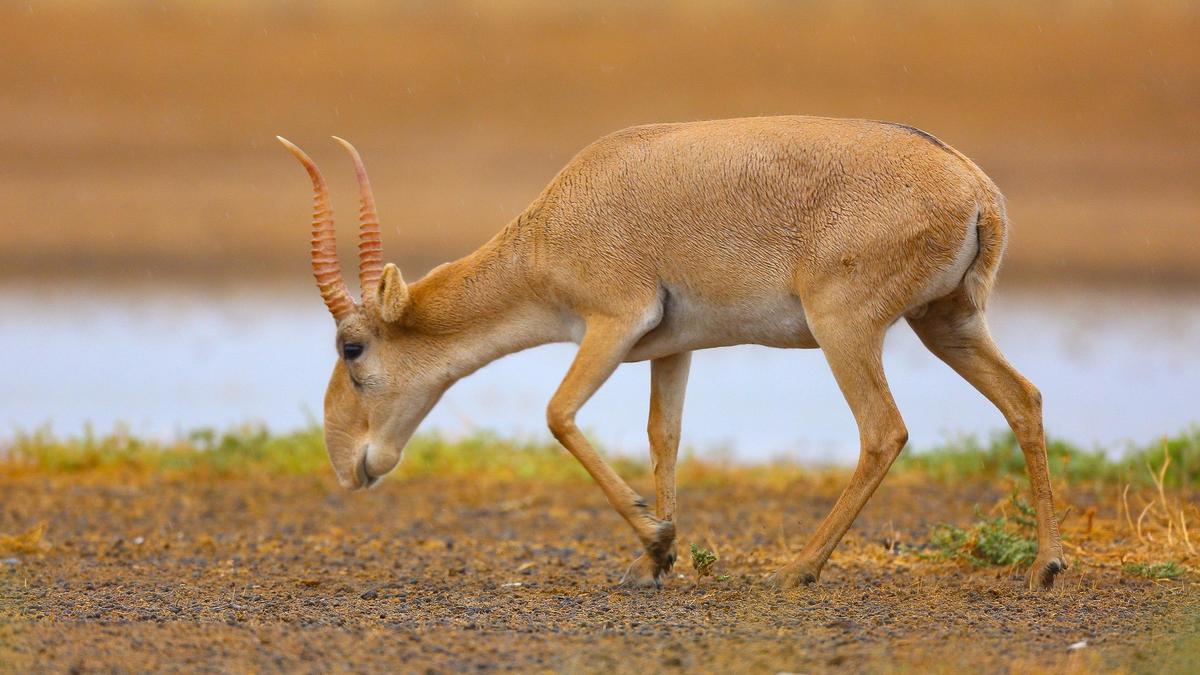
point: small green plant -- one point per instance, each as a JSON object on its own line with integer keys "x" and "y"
{"x": 1162, "y": 570}
{"x": 703, "y": 561}
{"x": 1003, "y": 540}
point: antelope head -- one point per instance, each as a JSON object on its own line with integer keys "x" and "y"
{"x": 387, "y": 375}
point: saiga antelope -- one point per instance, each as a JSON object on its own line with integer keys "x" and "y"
{"x": 660, "y": 240}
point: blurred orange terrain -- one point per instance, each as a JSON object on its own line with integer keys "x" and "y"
{"x": 136, "y": 139}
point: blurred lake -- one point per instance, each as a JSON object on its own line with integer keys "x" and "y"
{"x": 1113, "y": 366}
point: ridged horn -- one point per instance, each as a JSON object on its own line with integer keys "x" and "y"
{"x": 370, "y": 246}
{"x": 324, "y": 241}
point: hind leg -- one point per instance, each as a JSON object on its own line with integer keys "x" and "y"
{"x": 853, "y": 351}
{"x": 956, "y": 331}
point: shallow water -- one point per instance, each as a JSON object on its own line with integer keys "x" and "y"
{"x": 1112, "y": 366}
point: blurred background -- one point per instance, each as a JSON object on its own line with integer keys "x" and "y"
{"x": 154, "y": 270}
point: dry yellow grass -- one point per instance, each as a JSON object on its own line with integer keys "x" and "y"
{"x": 29, "y": 541}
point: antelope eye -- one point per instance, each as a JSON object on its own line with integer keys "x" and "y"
{"x": 352, "y": 350}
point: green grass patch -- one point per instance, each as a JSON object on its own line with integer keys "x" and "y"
{"x": 254, "y": 449}
{"x": 1004, "y": 540}
{"x": 492, "y": 456}
{"x": 1162, "y": 570}
{"x": 1000, "y": 457}
{"x": 239, "y": 449}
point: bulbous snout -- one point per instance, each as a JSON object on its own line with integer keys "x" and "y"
{"x": 375, "y": 462}
{"x": 361, "y": 465}
{"x": 365, "y": 441}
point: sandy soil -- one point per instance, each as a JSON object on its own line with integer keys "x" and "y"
{"x": 446, "y": 575}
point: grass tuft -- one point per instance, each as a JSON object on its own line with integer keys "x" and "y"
{"x": 29, "y": 541}
{"x": 1000, "y": 457}
{"x": 703, "y": 561}
{"x": 1005, "y": 540}
{"x": 1163, "y": 570}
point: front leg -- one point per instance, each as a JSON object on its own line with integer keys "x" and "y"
{"x": 603, "y": 347}
{"x": 668, "y": 382}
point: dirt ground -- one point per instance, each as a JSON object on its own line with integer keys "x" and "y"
{"x": 454, "y": 574}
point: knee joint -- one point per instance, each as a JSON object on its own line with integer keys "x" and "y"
{"x": 1035, "y": 398}
{"x": 888, "y": 443}
{"x": 897, "y": 439}
{"x": 1028, "y": 419}
{"x": 560, "y": 421}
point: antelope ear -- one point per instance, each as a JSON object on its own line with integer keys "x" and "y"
{"x": 392, "y": 294}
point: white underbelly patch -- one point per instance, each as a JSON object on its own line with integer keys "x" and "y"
{"x": 690, "y": 323}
